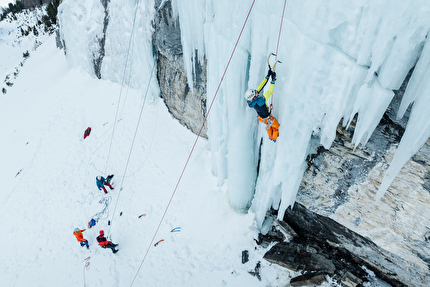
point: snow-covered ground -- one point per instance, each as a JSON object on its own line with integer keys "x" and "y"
{"x": 47, "y": 173}
{"x": 18, "y": 37}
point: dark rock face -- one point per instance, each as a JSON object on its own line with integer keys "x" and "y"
{"x": 167, "y": 36}
{"x": 341, "y": 183}
{"x": 187, "y": 104}
{"x": 99, "y": 55}
{"x": 323, "y": 246}
{"x": 308, "y": 279}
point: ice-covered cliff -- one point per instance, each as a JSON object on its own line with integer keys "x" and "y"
{"x": 339, "y": 61}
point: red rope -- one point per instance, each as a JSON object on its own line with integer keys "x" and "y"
{"x": 280, "y": 29}
{"x": 195, "y": 142}
{"x": 86, "y": 267}
{"x": 277, "y": 46}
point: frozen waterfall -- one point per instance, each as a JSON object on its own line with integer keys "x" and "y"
{"x": 340, "y": 60}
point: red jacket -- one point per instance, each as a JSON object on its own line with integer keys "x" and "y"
{"x": 102, "y": 240}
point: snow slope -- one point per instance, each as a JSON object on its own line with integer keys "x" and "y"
{"x": 48, "y": 175}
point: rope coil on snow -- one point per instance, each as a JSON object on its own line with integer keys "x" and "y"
{"x": 86, "y": 267}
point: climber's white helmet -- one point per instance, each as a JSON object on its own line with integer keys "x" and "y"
{"x": 250, "y": 94}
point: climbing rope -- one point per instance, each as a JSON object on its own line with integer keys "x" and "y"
{"x": 132, "y": 144}
{"x": 277, "y": 47}
{"x": 105, "y": 211}
{"x": 86, "y": 267}
{"x": 280, "y": 29}
{"x": 142, "y": 163}
{"x": 122, "y": 84}
{"x": 195, "y": 142}
{"x": 106, "y": 200}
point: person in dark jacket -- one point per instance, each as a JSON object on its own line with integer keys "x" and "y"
{"x": 259, "y": 103}
{"x": 104, "y": 243}
{"x": 101, "y": 182}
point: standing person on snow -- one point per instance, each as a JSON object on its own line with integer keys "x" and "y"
{"x": 259, "y": 103}
{"x": 101, "y": 182}
{"x": 80, "y": 237}
{"x": 104, "y": 243}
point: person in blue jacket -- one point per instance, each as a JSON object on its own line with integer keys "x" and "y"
{"x": 259, "y": 103}
{"x": 101, "y": 182}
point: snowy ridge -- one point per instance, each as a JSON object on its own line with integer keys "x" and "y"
{"x": 20, "y": 33}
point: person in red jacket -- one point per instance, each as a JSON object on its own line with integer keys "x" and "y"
{"x": 104, "y": 243}
{"x": 80, "y": 237}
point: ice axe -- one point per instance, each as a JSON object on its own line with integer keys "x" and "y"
{"x": 276, "y": 61}
{"x": 270, "y": 68}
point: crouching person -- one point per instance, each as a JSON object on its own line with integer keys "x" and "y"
{"x": 104, "y": 243}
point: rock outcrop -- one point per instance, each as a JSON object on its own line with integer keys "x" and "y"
{"x": 321, "y": 246}
{"x": 185, "y": 103}
{"x": 341, "y": 183}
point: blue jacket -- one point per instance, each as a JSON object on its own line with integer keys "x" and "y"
{"x": 260, "y": 103}
{"x": 100, "y": 183}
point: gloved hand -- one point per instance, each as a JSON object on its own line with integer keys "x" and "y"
{"x": 269, "y": 73}
{"x": 273, "y": 76}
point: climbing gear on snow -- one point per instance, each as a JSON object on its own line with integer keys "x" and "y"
{"x": 92, "y": 223}
{"x": 158, "y": 242}
{"x": 87, "y": 132}
{"x": 176, "y": 229}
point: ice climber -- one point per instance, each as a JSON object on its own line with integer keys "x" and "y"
{"x": 80, "y": 237}
{"x": 259, "y": 103}
{"x": 104, "y": 243}
{"x": 101, "y": 182}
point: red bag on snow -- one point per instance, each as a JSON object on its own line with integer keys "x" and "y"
{"x": 87, "y": 132}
